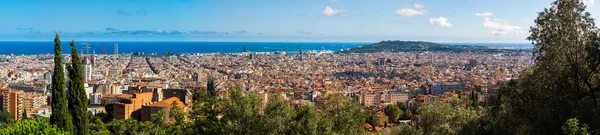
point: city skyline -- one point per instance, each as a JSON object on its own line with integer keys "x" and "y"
{"x": 273, "y": 21}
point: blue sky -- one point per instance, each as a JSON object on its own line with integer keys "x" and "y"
{"x": 492, "y": 21}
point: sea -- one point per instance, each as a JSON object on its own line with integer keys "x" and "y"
{"x": 127, "y": 47}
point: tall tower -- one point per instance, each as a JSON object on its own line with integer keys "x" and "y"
{"x": 104, "y": 49}
{"x": 116, "y": 49}
{"x": 88, "y": 72}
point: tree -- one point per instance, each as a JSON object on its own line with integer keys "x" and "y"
{"x": 444, "y": 118}
{"x": 177, "y": 124}
{"x": 565, "y": 76}
{"x": 407, "y": 115}
{"x": 572, "y": 127}
{"x": 159, "y": 122}
{"x": 404, "y": 130}
{"x": 393, "y": 112}
{"x": 210, "y": 86}
{"x": 306, "y": 122}
{"x": 240, "y": 112}
{"x": 401, "y": 105}
{"x": 132, "y": 127}
{"x": 278, "y": 116}
{"x": 6, "y": 118}
{"x": 109, "y": 113}
{"x": 346, "y": 115}
{"x": 205, "y": 114}
{"x": 61, "y": 116}
{"x": 24, "y": 115}
{"x": 77, "y": 98}
{"x": 39, "y": 126}
{"x": 97, "y": 127}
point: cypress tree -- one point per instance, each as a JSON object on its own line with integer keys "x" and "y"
{"x": 24, "y": 116}
{"x": 210, "y": 86}
{"x": 60, "y": 113}
{"x": 77, "y": 97}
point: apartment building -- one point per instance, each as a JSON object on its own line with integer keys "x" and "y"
{"x": 12, "y": 100}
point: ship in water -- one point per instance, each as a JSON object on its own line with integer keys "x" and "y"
{"x": 325, "y": 52}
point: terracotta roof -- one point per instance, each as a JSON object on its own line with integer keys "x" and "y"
{"x": 167, "y": 103}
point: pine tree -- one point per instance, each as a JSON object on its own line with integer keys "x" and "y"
{"x": 60, "y": 113}
{"x": 77, "y": 97}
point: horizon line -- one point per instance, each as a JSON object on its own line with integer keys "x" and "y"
{"x": 220, "y": 41}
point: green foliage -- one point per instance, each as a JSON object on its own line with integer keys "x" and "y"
{"x": 108, "y": 116}
{"x": 97, "y": 127}
{"x": 177, "y": 123}
{"x": 61, "y": 116}
{"x": 420, "y": 46}
{"x": 6, "y": 118}
{"x": 205, "y": 114}
{"x": 240, "y": 112}
{"x": 403, "y": 130}
{"x": 210, "y": 86}
{"x": 131, "y": 127}
{"x": 40, "y": 126}
{"x": 393, "y": 112}
{"x": 306, "y": 122}
{"x": 24, "y": 115}
{"x": 278, "y": 116}
{"x": 448, "y": 119}
{"x": 572, "y": 127}
{"x": 401, "y": 105}
{"x": 406, "y": 115}
{"x": 346, "y": 115}
{"x": 77, "y": 98}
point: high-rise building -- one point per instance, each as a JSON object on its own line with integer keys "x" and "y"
{"x": 381, "y": 61}
{"x": 104, "y": 49}
{"x": 116, "y": 48}
{"x": 245, "y": 48}
{"x": 87, "y": 69}
{"x": 196, "y": 76}
{"x": 12, "y": 100}
{"x": 472, "y": 63}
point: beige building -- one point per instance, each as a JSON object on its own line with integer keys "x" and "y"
{"x": 34, "y": 100}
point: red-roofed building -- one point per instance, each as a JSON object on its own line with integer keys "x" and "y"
{"x": 164, "y": 105}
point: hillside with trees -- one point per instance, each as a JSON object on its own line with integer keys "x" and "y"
{"x": 420, "y": 46}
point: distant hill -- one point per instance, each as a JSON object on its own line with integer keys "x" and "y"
{"x": 420, "y": 46}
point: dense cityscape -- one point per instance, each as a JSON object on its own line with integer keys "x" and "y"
{"x": 373, "y": 78}
{"x": 390, "y": 87}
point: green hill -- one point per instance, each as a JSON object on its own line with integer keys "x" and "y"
{"x": 419, "y": 46}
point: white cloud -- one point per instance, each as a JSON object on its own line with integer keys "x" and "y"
{"x": 441, "y": 21}
{"x": 501, "y": 28}
{"x": 419, "y": 6}
{"x": 486, "y": 14}
{"x": 328, "y": 11}
{"x": 334, "y": 0}
{"x": 409, "y": 12}
{"x": 589, "y": 2}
